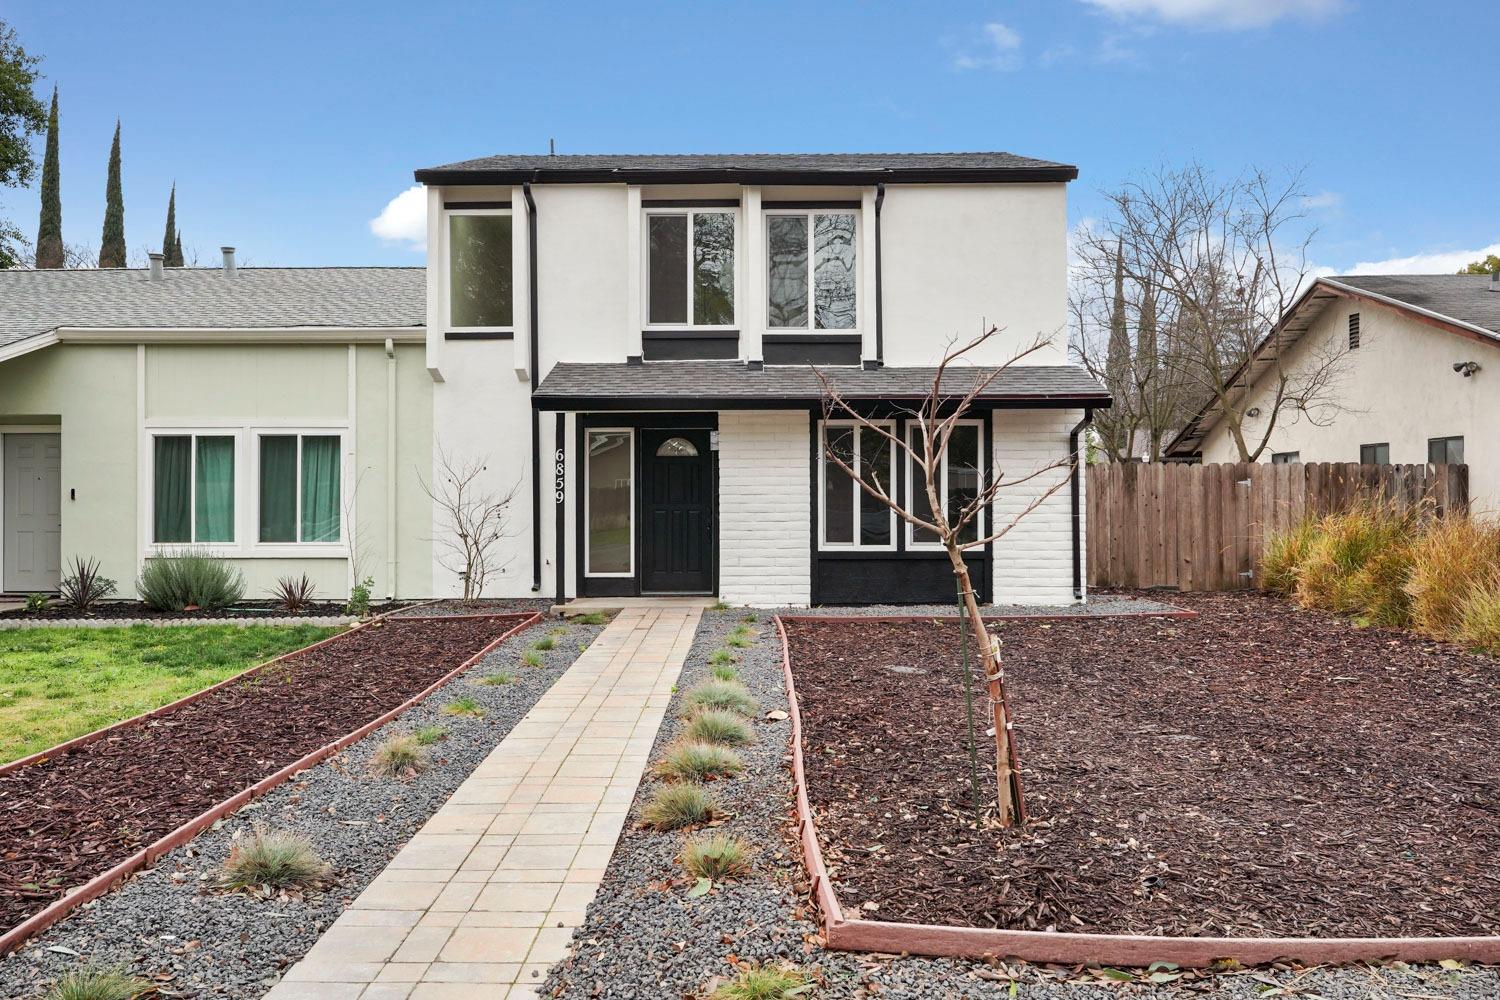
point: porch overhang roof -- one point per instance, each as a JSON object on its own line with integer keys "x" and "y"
{"x": 735, "y": 385}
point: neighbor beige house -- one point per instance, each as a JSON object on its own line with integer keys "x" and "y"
{"x": 1419, "y": 380}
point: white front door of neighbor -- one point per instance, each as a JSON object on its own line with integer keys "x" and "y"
{"x": 31, "y": 515}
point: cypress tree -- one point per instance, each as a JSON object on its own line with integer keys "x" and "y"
{"x": 177, "y": 250}
{"x": 49, "y": 244}
{"x": 112, "y": 243}
{"x": 170, "y": 235}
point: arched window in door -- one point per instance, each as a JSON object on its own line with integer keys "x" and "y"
{"x": 677, "y": 447}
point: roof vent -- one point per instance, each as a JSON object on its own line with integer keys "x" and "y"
{"x": 1495, "y": 282}
{"x": 228, "y": 261}
{"x": 157, "y": 272}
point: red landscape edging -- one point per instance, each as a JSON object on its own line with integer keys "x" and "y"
{"x": 102, "y": 883}
{"x": 1062, "y": 947}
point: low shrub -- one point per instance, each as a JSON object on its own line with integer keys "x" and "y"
{"x": 716, "y": 726}
{"x": 717, "y": 857}
{"x": 1456, "y": 554}
{"x": 676, "y": 806}
{"x": 763, "y": 982}
{"x": 293, "y": 594}
{"x": 496, "y": 679}
{"x": 729, "y": 696}
{"x": 190, "y": 580}
{"x": 429, "y": 735}
{"x": 98, "y": 984}
{"x": 399, "y": 757}
{"x": 83, "y": 588}
{"x": 359, "y": 598}
{"x": 1479, "y": 616}
{"x": 36, "y": 603}
{"x": 724, "y": 672}
{"x": 699, "y": 762}
{"x": 274, "y": 859}
{"x": 464, "y": 706}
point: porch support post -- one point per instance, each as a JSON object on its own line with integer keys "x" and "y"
{"x": 560, "y": 504}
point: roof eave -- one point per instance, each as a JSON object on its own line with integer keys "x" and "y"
{"x": 584, "y": 403}
{"x": 1055, "y": 174}
{"x": 18, "y": 348}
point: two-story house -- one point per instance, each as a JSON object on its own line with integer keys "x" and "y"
{"x": 626, "y": 343}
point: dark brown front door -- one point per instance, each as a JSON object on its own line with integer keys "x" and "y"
{"x": 676, "y": 512}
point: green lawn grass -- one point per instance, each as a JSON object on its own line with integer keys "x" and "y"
{"x": 58, "y": 683}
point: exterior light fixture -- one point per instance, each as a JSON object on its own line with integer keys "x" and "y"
{"x": 1466, "y": 368}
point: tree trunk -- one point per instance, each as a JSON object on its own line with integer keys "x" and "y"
{"x": 1011, "y": 807}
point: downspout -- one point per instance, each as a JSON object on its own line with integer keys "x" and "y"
{"x": 879, "y": 293}
{"x": 536, "y": 418}
{"x": 390, "y": 469}
{"x": 1074, "y": 497}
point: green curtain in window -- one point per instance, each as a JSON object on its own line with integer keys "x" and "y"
{"x": 213, "y": 504}
{"x": 172, "y": 489}
{"x": 278, "y": 488}
{"x": 320, "y": 489}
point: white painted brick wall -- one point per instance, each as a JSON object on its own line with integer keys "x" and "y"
{"x": 763, "y": 508}
{"x": 1034, "y": 562}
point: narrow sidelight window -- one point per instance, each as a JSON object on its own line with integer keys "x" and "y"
{"x": 1445, "y": 450}
{"x": 301, "y": 488}
{"x": 828, "y": 275}
{"x": 192, "y": 488}
{"x": 1375, "y": 454}
{"x": 690, "y": 269}
{"x": 852, "y": 518}
{"x": 961, "y": 479}
{"x": 609, "y": 543}
{"x": 480, "y": 281}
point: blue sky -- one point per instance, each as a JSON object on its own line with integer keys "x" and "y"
{"x": 289, "y": 127}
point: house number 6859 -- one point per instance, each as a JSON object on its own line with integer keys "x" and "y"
{"x": 560, "y": 480}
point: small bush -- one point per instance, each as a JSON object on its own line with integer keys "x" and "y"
{"x": 724, "y": 672}
{"x": 190, "y": 580}
{"x": 545, "y": 643}
{"x": 429, "y": 735}
{"x": 464, "y": 706}
{"x": 98, "y": 984}
{"x": 1479, "y": 616}
{"x": 359, "y": 597}
{"x": 1456, "y": 554}
{"x": 1283, "y": 557}
{"x": 293, "y": 594}
{"x": 399, "y": 757}
{"x": 83, "y": 588}
{"x": 532, "y": 658}
{"x": 274, "y": 859}
{"x": 717, "y": 857}
{"x": 676, "y": 806}
{"x": 36, "y": 603}
{"x": 723, "y": 728}
{"x": 730, "y": 696}
{"x": 763, "y": 982}
{"x": 699, "y": 762}
{"x": 495, "y": 679}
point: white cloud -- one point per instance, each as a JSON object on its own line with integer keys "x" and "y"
{"x": 1220, "y": 13}
{"x": 1322, "y": 201}
{"x": 999, "y": 49}
{"x": 404, "y": 219}
{"x": 1442, "y": 262}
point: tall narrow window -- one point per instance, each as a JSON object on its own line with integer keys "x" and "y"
{"x": 609, "y": 548}
{"x": 828, "y": 274}
{"x": 851, "y": 517}
{"x": 960, "y": 481}
{"x": 192, "y": 488}
{"x": 301, "y": 488}
{"x": 480, "y": 292}
{"x": 690, "y": 271}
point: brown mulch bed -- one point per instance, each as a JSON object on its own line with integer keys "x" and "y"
{"x": 1257, "y": 770}
{"x": 68, "y": 818}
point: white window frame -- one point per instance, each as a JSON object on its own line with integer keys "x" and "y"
{"x": 148, "y": 487}
{"x": 300, "y": 548}
{"x": 859, "y": 264}
{"x": 447, "y": 264}
{"x": 588, "y": 471}
{"x": 689, "y": 212}
{"x": 913, "y": 432}
{"x": 824, "y": 462}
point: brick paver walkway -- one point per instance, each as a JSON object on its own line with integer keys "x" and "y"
{"x": 485, "y": 897}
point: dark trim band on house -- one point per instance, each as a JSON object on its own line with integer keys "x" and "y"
{"x": 479, "y": 335}
{"x": 458, "y": 206}
{"x": 690, "y": 203}
{"x": 690, "y": 345}
{"x": 772, "y": 206}
{"x": 810, "y": 348}
{"x": 879, "y": 290}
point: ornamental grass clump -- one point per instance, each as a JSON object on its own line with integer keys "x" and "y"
{"x": 186, "y": 580}
{"x": 729, "y": 696}
{"x": 545, "y": 643}
{"x": 532, "y": 658}
{"x": 724, "y": 672}
{"x": 497, "y": 679}
{"x": 717, "y": 857}
{"x": 676, "y": 806}
{"x": 699, "y": 762}
{"x": 1456, "y": 555}
{"x": 722, "y": 656}
{"x": 763, "y": 982}
{"x": 1357, "y": 562}
{"x": 464, "y": 706}
{"x": 1479, "y": 616}
{"x": 399, "y": 757}
{"x": 1284, "y": 554}
{"x": 718, "y": 726}
{"x": 273, "y": 859}
{"x": 98, "y": 984}
{"x": 428, "y": 735}
{"x": 740, "y": 638}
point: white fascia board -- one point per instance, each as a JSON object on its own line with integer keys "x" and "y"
{"x": 28, "y": 345}
{"x": 240, "y": 335}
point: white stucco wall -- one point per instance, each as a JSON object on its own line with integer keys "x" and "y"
{"x": 1398, "y": 387}
{"x": 1034, "y": 561}
{"x": 763, "y": 508}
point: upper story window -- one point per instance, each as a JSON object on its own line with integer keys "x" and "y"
{"x": 690, "y": 267}
{"x": 811, "y": 272}
{"x": 481, "y": 292}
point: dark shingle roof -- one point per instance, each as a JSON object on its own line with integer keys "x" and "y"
{"x": 687, "y": 168}
{"x": 1468, "y": 298}
{"x": 693, "y": 384}
{"x": 33, "y": 302}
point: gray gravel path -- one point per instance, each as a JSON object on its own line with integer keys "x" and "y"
{"x": 164, "y": 925}
{"x": 644, "y": 938}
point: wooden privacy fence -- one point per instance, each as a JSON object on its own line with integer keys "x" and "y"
{"x": 1201, "y": 527}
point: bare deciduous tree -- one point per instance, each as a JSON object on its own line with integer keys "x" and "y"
{"x": 475, "y": 519}
{"x": 936, "y": 419}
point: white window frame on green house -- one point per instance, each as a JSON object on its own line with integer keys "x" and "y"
{"x": 338, "y": 547}
{"x": 915, "y": 483}
{"x": 193, "y": 434}
{"x": 888, "y": 481}
{"x": 690, "y": 215}
{"x": 810, "y": 325}
{"x": 492, "y": 330}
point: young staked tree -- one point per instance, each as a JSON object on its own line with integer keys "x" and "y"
{"x": 49, "y": 240}
{"x": 112, "y": 242}
{"x": 21, "y": 117}
{"x": 474, "y": 519}
{"x": 957, "y": 387}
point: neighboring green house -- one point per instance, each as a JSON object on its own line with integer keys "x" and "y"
{"x": 275, "y": 416}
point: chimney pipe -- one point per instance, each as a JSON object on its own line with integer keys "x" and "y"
{"x": 156, "y": 266}
{"x": 1495, "y": 281}
{"x": 228, "y": 261}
